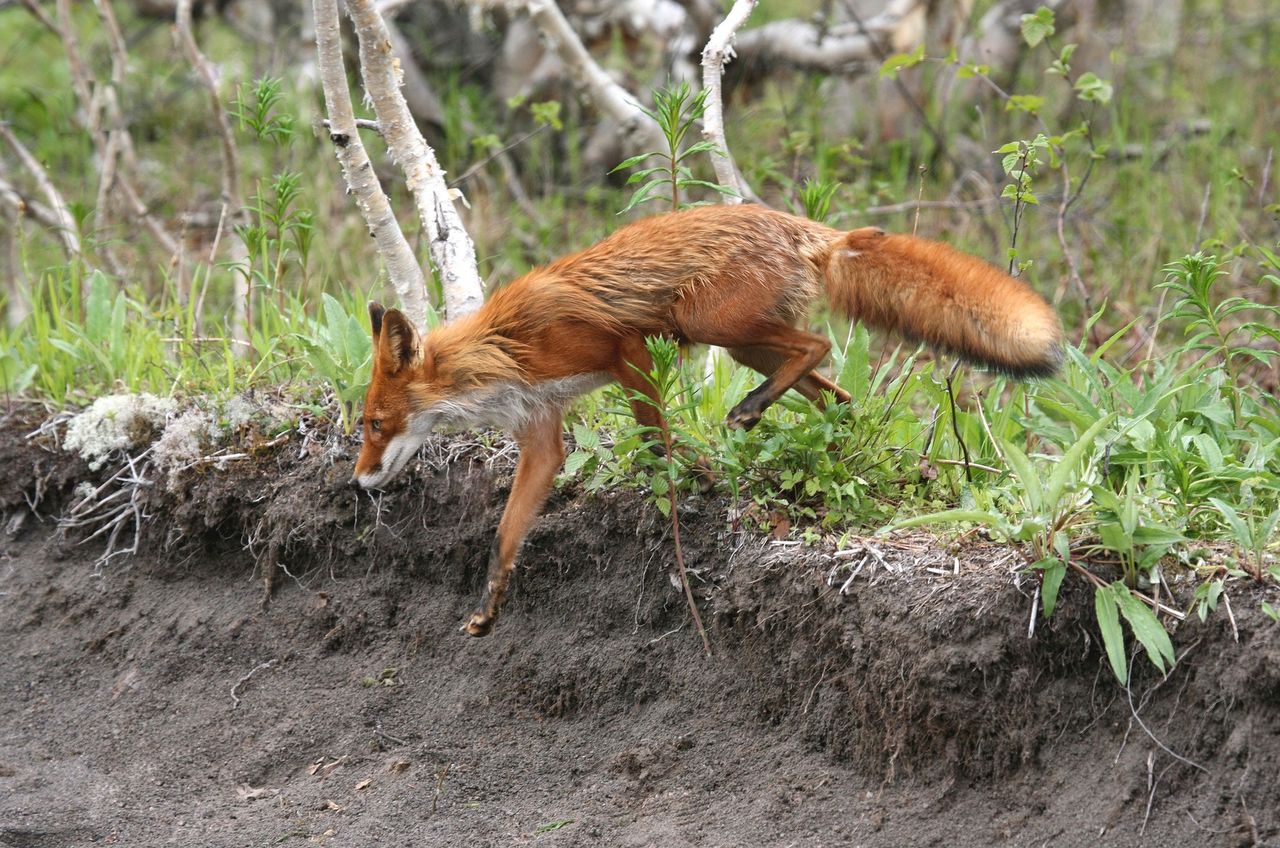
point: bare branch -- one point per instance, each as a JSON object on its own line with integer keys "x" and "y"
{"x": 79, "y": 73}
{"x": 93, "y": 100}
{"x": 41, "y": 15}
{"x": 12, "y": 210}
{"x": 66, "y": 225}
{"x": 120, "y": 130}
{"x": 402, "y": 266}
{"x": 718, "y": 51}
{"x": 22, "y": 205}
{"x": 843, "y": 47}
{"x": 361, "y": 124}
{"x": 233, "y": 203}
{"x": 641, "y": 131}
{"x": 452, "y": 252}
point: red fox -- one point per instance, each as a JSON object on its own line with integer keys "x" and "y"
{"x": 740, "y": 277}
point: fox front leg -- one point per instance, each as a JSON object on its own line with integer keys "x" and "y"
{"x": 541, "y": 455}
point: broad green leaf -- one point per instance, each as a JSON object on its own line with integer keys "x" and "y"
{"x": 1066, "y": 465}
{"x": 1147, "y": 629}
{"x": 1037, "y": 26}
{"x": 1054, "y": 570}
{"x": 900, "y": 61}
{"x": 576, "y": 460}
{"x": 1026, "y": 476}
{"x": 586, "y": 438}
{"x": 1091, "y": 87}
{"x": 1243, "y": 535}
{"x": 98, "y": 307}
{"x": 1104, "y": 605}
{"x": 1209, "y": 450}
{"x": 1029, "y": 103}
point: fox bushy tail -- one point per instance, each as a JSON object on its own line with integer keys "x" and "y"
{"x": 950, "y": 300}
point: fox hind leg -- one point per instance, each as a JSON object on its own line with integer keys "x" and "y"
{"x": 811, "y": 386}
{"x": 797, "y": 352}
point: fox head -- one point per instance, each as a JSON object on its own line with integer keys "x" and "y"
{"x": 402, "y": 394}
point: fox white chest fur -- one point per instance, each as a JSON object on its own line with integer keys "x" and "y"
{"x": 509, "y": 406}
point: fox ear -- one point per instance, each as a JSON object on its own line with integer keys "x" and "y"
{"x": 397, "y": 341}
{"x": 376, "y": 311}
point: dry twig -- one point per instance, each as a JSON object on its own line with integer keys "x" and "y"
{"x": 641, "y": 131}
{"x": 66, "y": 227}
{"x": 257, "y": 668}
{"x": 232, "y": 204}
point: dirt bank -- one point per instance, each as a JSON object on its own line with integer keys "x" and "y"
{"x": 162, "y": 701}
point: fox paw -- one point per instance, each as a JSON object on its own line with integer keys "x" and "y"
{"x": 480, "y": 624}
{"x": 704, "y": 475}
{"x": 742, "y": 419}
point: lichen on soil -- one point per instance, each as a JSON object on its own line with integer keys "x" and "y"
{"x": 281, "y": 662}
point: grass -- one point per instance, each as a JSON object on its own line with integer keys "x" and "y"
{"x": 1157, "y": 448}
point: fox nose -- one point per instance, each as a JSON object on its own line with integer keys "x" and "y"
{"x": 354, "y": 482}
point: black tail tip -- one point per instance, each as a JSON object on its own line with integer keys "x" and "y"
{"x": 1047, "y": 365}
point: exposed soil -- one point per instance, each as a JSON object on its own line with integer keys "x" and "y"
{"x": 161, "y": 699}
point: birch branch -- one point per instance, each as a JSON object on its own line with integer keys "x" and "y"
{"x": 836, "y": 48}
{"x": 452, "y": 252}
{"x": 120, "y": 146}
{"x": 402, "y": 266}
{"x": 232, "y": 203}
{"x": 89, "y": 115}
{"x": 25, "y": 207}
{"x": 40, "y": 15}
{"x": 641, "y": 131}
{"x": 66, "y": 225}
{"x": 422, "y": 99}
{"x": 718, "y": 51}
{"x": 17, "y": 307}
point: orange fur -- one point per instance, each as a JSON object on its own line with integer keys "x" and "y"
{"x": 741, "y": 277}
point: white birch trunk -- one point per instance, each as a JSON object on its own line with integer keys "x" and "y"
{"x": 402, "y": 266}
{"x": 718, "y": 51}
{"x": 452, "y": 252}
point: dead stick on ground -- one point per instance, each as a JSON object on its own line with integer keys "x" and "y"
{"x": 257, "y": 668}
{"x": 440, "y": 776}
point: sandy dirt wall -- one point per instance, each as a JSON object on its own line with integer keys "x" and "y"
{"x": 166, "y": 700}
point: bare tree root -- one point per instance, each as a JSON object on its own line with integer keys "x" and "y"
{"x": 111, "y": 508}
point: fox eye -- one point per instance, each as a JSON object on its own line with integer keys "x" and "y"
{"x": 376, "y": 424}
